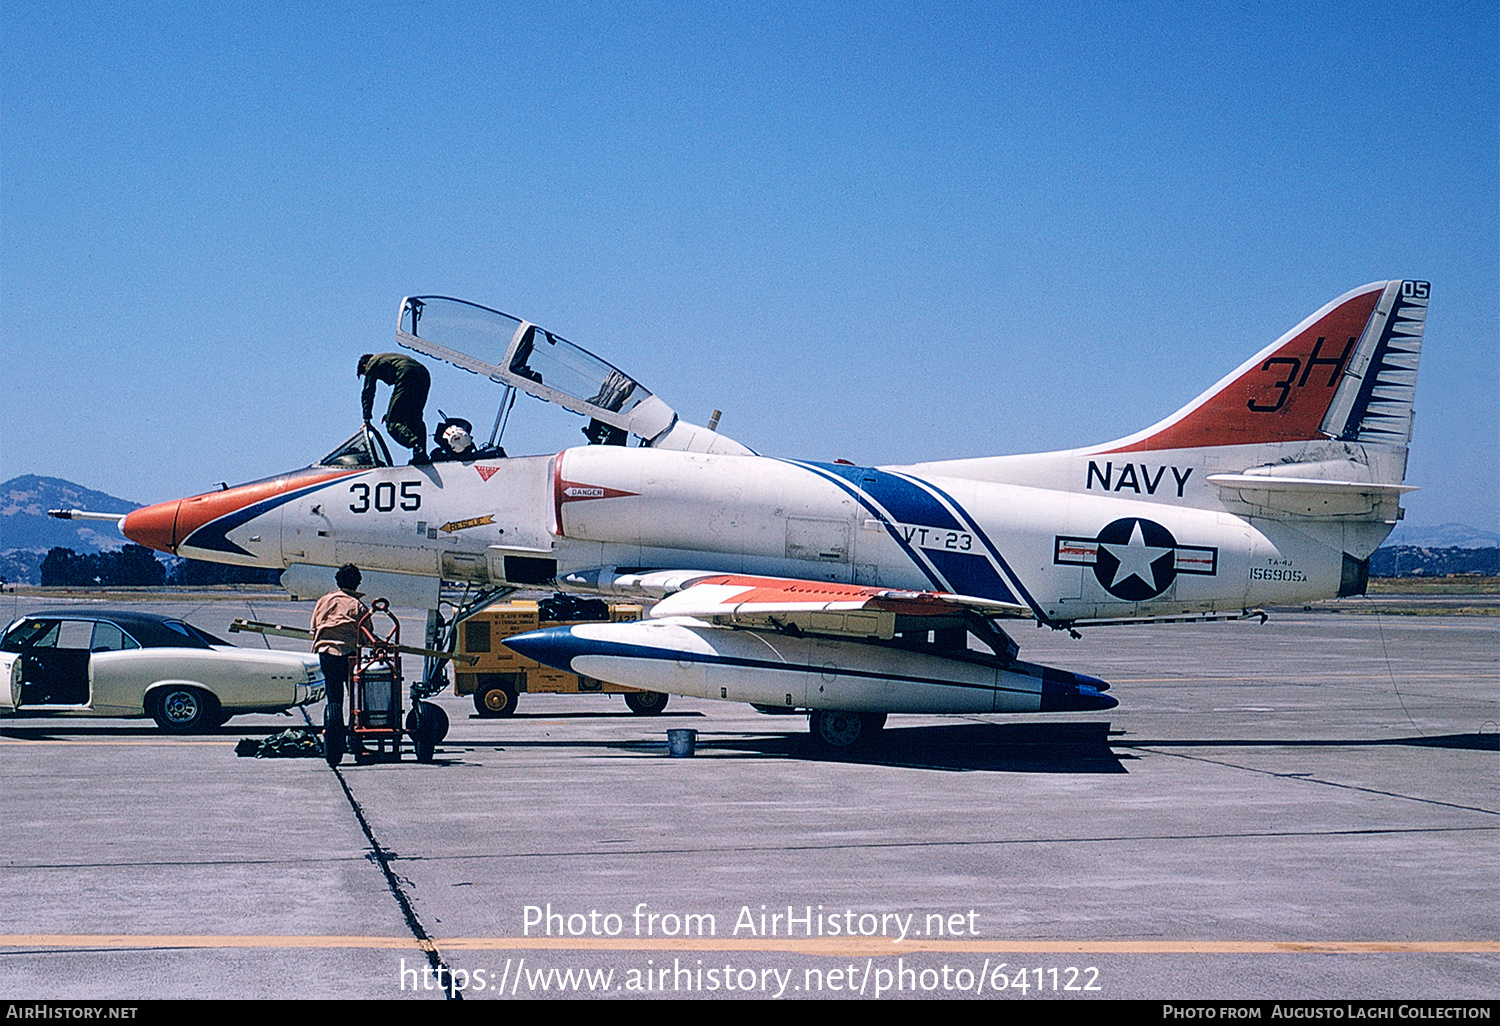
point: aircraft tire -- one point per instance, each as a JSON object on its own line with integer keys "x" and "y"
{"x": 180, "y": 709}
{"x": 646, "y": 703}
{"x": 421, "y": 734}
{"x": 497, "y": 695}
{"x": 428, "y": 725}
{"x": 439, "y": 720}
{"x": 842, "y": 730}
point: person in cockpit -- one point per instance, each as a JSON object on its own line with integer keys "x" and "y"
{"x": 454, "y": 440}
{"x": 409, "y": 383}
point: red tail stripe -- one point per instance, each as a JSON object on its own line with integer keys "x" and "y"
{"x": 1282, "y": 397}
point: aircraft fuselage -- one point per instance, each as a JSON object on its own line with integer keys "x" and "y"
{"x": 532, "y": 521}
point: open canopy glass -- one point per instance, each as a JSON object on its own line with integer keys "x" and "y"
{"x": 530, "y": 358}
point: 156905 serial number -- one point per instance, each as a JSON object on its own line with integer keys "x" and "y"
{"x": 1276, "y": 573}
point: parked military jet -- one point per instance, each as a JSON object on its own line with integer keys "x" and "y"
{"x": 850, "y": 591}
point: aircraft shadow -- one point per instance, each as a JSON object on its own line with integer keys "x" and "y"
{"x": 597, "y": 714}
{"x": 960, "y": 747}
{"x": 1005, "y": 747}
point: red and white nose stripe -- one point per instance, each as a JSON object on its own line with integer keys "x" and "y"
{"x": 154, "y": 526}
{"x": 167, "y": 525}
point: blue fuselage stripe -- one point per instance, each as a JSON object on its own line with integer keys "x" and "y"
{"x": 895, "y": 497}
{"x": 214, "y": 534}
{"x": 973, "y": 525}
{"x": 839, "y": 478}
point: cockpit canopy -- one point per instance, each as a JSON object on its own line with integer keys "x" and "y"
{"x": 525, "y": 356}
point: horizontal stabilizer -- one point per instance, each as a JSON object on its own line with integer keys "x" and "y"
{"x": 1312, "y": 497}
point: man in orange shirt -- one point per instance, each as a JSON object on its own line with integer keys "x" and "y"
{"x": 335, "y": 626}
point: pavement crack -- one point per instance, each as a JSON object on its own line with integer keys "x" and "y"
{"x": 383, "y": 857}
{"x": 1220, "y": 835}
{"x": 1308, "y": 778}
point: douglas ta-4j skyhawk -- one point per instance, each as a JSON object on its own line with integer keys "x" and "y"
{"x": 851, "y": 592}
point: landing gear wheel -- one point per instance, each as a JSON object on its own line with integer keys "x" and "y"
{"x": 179, "y": 709}
{"x": 333, "y": 737}
{"x": 496, "y": 696}
{"x": 439, "y": 721}
{"x": 841, "y": 730}
{"x": 428, "y": 725}
{"x": 646, "y": 703}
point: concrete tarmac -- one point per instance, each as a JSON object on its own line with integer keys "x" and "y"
{"x": 1302, "y": 809}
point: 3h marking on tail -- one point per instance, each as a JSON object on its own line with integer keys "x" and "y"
{"x": 1286, "y": 384}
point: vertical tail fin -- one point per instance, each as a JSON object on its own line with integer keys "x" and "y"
{"x": 1348, "y": 372}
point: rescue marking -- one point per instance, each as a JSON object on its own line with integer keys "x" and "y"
{"x": 459, "y": 525}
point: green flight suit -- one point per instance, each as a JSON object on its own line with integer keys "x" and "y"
{"x": 409, "y": 383}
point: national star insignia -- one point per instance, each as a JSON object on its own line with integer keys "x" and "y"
{"x": 1136, "y": 558}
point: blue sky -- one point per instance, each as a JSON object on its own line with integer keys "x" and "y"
{"x": 883, "y": 232}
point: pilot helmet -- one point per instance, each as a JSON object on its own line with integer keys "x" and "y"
{"x": 458, "y": 439}
{"x": 454, "y": 434}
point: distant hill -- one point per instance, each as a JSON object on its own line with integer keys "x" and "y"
{"x": 1433, "y": 561}
{"x": 27, "y": 533}
{"x": 24, "y": 524}
{"x": 1444, "y": 536}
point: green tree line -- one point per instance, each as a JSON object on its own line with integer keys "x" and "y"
{"x": 137, "y": 566}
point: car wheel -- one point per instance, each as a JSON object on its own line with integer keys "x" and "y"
{"x": 497, "y": 696}
{"x": 179, "y": 709}
{"x": 841, "y": 730}
{"x": 646, "y": 703}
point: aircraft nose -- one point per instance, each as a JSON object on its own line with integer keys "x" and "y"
{"x": 153, "y": 526}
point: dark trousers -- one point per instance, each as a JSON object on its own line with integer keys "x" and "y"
{"x": 404, "y": 416}
{"x": 336, "y": 678}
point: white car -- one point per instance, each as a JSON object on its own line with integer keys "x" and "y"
{"x": 118, "y": 663}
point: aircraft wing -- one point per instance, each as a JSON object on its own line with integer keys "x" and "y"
{"x": 792, "y": 605}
